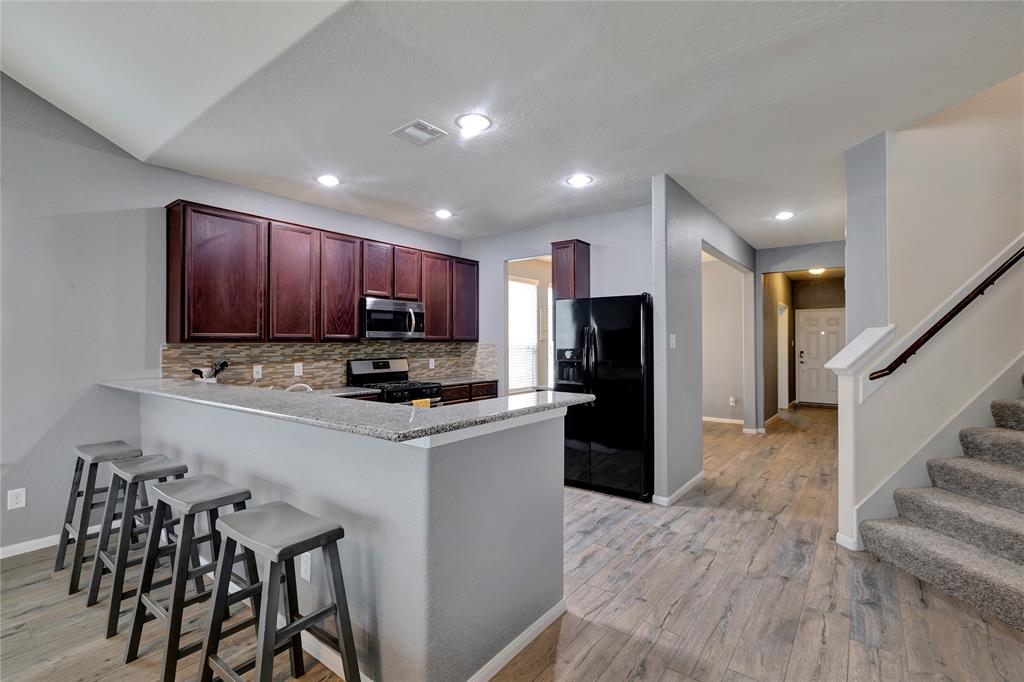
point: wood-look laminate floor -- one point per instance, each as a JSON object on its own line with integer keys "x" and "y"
{"x": 741, "y": 580}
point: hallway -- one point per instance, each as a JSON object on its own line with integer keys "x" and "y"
{"x": 742, "y": 580}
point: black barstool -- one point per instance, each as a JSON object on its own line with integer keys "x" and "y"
{"x": 89, "y": 455}
{"x": 130, "y": 475}
{"x": 278, "y": 532}
{"x": 188, "y": 497}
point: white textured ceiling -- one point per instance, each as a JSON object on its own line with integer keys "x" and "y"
{"x": 748, "y": 105}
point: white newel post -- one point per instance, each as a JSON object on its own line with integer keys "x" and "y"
{"x": 850, "y": 365}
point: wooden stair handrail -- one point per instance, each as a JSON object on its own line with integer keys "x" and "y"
{"x": 979, "y": 290}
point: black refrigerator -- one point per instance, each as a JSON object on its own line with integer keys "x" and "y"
{"x": 604, "y": 346}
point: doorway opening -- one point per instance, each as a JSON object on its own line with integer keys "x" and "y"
{"x": 804, "y": 326}
{"x": 721, "y": 341}
{"x": 529, "y": 352}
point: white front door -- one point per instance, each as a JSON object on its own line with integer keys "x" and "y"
{"x": 819, "y": 335}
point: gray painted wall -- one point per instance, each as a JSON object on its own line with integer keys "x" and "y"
{"x": 785, "y": 259}
{"x": 681, "y": 228}
{"x": 867, "y": 273}
{"x": 722, "y": 334}
{"x": 777, "y": 289}
{"x": 83, "y": 277}
{"x": 620, "y": 256}
{"x": 819, "y": 293}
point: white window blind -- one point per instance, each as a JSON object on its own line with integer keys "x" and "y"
{"x": 522, "y": 334}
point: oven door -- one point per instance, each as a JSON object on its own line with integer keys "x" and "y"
{"x": 383, "y": 318}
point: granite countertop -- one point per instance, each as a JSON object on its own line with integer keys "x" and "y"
{"x": 324, "y": 408}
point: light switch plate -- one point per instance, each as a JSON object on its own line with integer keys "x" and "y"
{"x": 305, "y": 566}
{"x": 672, "y": 341}
{"x": 431, "y": 363}
{"x": 257, "y": 371}
{"x": 297, "y": 367}
{"x": 16, "y": 498}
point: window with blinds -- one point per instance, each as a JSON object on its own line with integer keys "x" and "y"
{"x": 522, "y": 334}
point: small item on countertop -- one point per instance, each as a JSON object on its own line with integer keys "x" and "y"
{"x": 199, "y": 373}
{"x": 306, "y": 388}
{"x": 421, "y": 402}
{"x": 219, "y": 367}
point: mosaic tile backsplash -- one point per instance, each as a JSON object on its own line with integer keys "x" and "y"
{"x": 323, "y": 364}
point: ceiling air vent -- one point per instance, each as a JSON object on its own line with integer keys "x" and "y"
{"x": 418, "y": 132}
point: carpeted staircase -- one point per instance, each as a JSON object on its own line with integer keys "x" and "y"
{"x": 966, "y": 533}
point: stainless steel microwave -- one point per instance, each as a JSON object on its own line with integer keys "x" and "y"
{"x": 383, "y": 318}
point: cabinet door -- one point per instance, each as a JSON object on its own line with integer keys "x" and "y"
{"x": 570, "y": 269}
{"x": 407, "y": 273}
{"x": 339, "y": 287}
{"x": 294, "y": 282}
{"x": 377, "y": 269}
{"x": 225, "y": 275}
{"x": 465, "y": 300}
{"x": 437, "y": 290}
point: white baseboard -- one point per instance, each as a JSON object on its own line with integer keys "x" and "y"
{"x": 491, "y": 667}
{"x": 723, "y": 420}
{"x": 754, "y": 431}
{"x": 683, "y": 489}
{"x": 41, "y": 543}
{"x": 852, "y": 544}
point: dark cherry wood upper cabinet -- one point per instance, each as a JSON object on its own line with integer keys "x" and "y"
{"x": 465, "y": 300}
{"x": 217, "y": 272}
{"x": 570, "y": 269}
{"x": 294, "y": 282}
{"x": 378, "y": 263}
{"x": 437, "y": 296}
{"x": 339, "y": 287}
{"x": 407, "y": 273}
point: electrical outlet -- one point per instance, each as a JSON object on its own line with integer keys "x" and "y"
{"x": 305, "y": 566}
{"x": 431, "y": 363}
{"x": 257, "y": 371}
{"x": 16, "y": 498}
{"x": 732, "y": 401}
{"x": 672, "y": 341}
{"x": 297, "y": 369}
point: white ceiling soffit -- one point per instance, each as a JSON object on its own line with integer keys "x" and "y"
{"x": 750, "y": 106}
{"x": 140, "y": 72}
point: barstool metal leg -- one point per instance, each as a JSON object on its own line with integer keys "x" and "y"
{"x": 267, "y": 632}
{"x": 219, "y": 608}
{"x": 291, "y": 607}
{"x": 83, "y": 529}
{"x": 124, "y": 541}
{"x": 342, "y": 621}
{"x": 176, "y": 603}
{"x": 69, "y": 515}
{"x": 98, "y": 567}
{"x": 145, "y": 580}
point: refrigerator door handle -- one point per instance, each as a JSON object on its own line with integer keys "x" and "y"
{"x": 592, "y": 360}
{"x": 585, "y": 368}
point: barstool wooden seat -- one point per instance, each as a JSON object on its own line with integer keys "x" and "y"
{"x": 278, "y": 532}
{"x": 89, "y": 455}
{"x": 129, "y": 475}
{"x": 188, "y": 497}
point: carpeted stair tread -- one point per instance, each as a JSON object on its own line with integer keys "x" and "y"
{"x": 994, "y": 444}
{"x": 1009, "y": 414}
{"x": 995, "y": 484}
{"x": 990, "y": 583}
{"x": 994, "y": 529}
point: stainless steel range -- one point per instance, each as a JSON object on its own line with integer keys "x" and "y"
{"x": 390, "y": 376}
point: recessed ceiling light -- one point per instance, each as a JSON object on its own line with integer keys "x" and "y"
{"x": 816, "y": 271}
{"x": 443, "y": 213}
{"x": 472, "y": 124}
{"x": 784, "y": 215}
{"x": 578, "y": 180}
{"x": 328, "y": 180}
